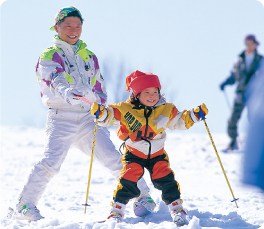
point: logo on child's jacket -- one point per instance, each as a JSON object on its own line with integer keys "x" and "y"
{"x": 132, "y": 122}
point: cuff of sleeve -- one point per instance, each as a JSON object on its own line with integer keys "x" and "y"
{"x": 193, "y": 117}
{"x": 105, "y": 115}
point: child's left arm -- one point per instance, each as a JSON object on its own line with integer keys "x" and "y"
{"x": 185, "y": 119}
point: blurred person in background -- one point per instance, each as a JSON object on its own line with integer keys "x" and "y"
{"x": 244, "y": 68}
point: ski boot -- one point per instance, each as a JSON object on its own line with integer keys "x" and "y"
{"x": 117, "y": 212}
{"x": 25, "y": 211}
{"x": 177, "y": 213}
{"x": 143, "y": 205}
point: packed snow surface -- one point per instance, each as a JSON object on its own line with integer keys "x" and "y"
{"x": 204, "y": 189}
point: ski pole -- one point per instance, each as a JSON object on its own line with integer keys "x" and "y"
{"x": 203, "y": 118}
{"x": 227, "y": 100}
{"x": 91, "y": 161}
{"x": 229, "y": 106}
{"x": 92, "y": 154}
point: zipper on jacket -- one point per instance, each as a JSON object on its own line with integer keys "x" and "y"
{"x": 146, "y": 129}
{"x": 70, "y": 65}
{"x": 147, "y": 116}
{"x": 149, "y": 147}
{"x": 79, "y": 71}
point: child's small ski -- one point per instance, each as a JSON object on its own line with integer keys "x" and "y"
{"x": 101, "y": 221}
{"x": 109, "y": 220}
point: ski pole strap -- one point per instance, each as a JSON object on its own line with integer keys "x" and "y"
{"x": 84, "y": 99}
{"x": 201, "y": 114}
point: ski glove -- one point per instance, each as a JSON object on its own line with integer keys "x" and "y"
{"x": 68, "y": 94}
{"x": 222, "y": 86}
{"x": 94, "y": 109}
{"x": 197, "y": 110}
{"x": 229, "y": 81}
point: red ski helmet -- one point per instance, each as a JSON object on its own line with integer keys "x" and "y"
{"x": 139, "y": 81}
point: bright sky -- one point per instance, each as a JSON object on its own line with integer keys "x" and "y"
{"x": 190, "y": 44}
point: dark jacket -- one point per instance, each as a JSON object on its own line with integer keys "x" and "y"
{"x": 240, "y": 74}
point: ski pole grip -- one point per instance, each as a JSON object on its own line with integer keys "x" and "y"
{"x": 201, "y": 113}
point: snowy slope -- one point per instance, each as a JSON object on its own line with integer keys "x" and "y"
{"x": 205, "y": 192}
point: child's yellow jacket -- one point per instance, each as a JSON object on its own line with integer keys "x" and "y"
{"x": 143, "y": 128}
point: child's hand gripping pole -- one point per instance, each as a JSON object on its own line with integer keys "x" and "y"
{"x": 201, "y": 114}
{"x": 92, "y": 154}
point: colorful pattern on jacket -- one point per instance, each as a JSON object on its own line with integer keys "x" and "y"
{"x": 143, "y": 129}
{"x": 62, "y": 65}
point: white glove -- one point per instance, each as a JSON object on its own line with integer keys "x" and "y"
{"x": 68, "y": 94}
{"x": 92, "y": 96}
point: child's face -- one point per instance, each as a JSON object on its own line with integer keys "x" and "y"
{"x": 70, "y": 30}
{"x": 149, "y": 97}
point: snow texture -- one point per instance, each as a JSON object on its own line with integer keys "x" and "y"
{"x": 204, "y": 189}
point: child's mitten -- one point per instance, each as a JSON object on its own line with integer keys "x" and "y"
{"x": 202, "y": 108}
{"x": 95, "y": 107}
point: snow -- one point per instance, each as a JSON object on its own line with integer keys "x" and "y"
{"x": 205, "y": 192}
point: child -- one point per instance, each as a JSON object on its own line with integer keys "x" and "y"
{"x": 143, "y": 119}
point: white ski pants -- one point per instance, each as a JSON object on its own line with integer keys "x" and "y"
{"x": 63, "y": 130}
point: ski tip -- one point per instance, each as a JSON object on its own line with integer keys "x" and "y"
{"x": 227, "y": 150}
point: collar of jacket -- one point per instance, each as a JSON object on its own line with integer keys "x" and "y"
{"x": 66, "y": 46}
{"x": 242, "y": 55}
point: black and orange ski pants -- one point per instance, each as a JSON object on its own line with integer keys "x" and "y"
{"x": 161, "y": 176}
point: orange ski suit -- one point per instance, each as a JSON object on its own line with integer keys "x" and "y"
{"x": 142, "y": 129}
